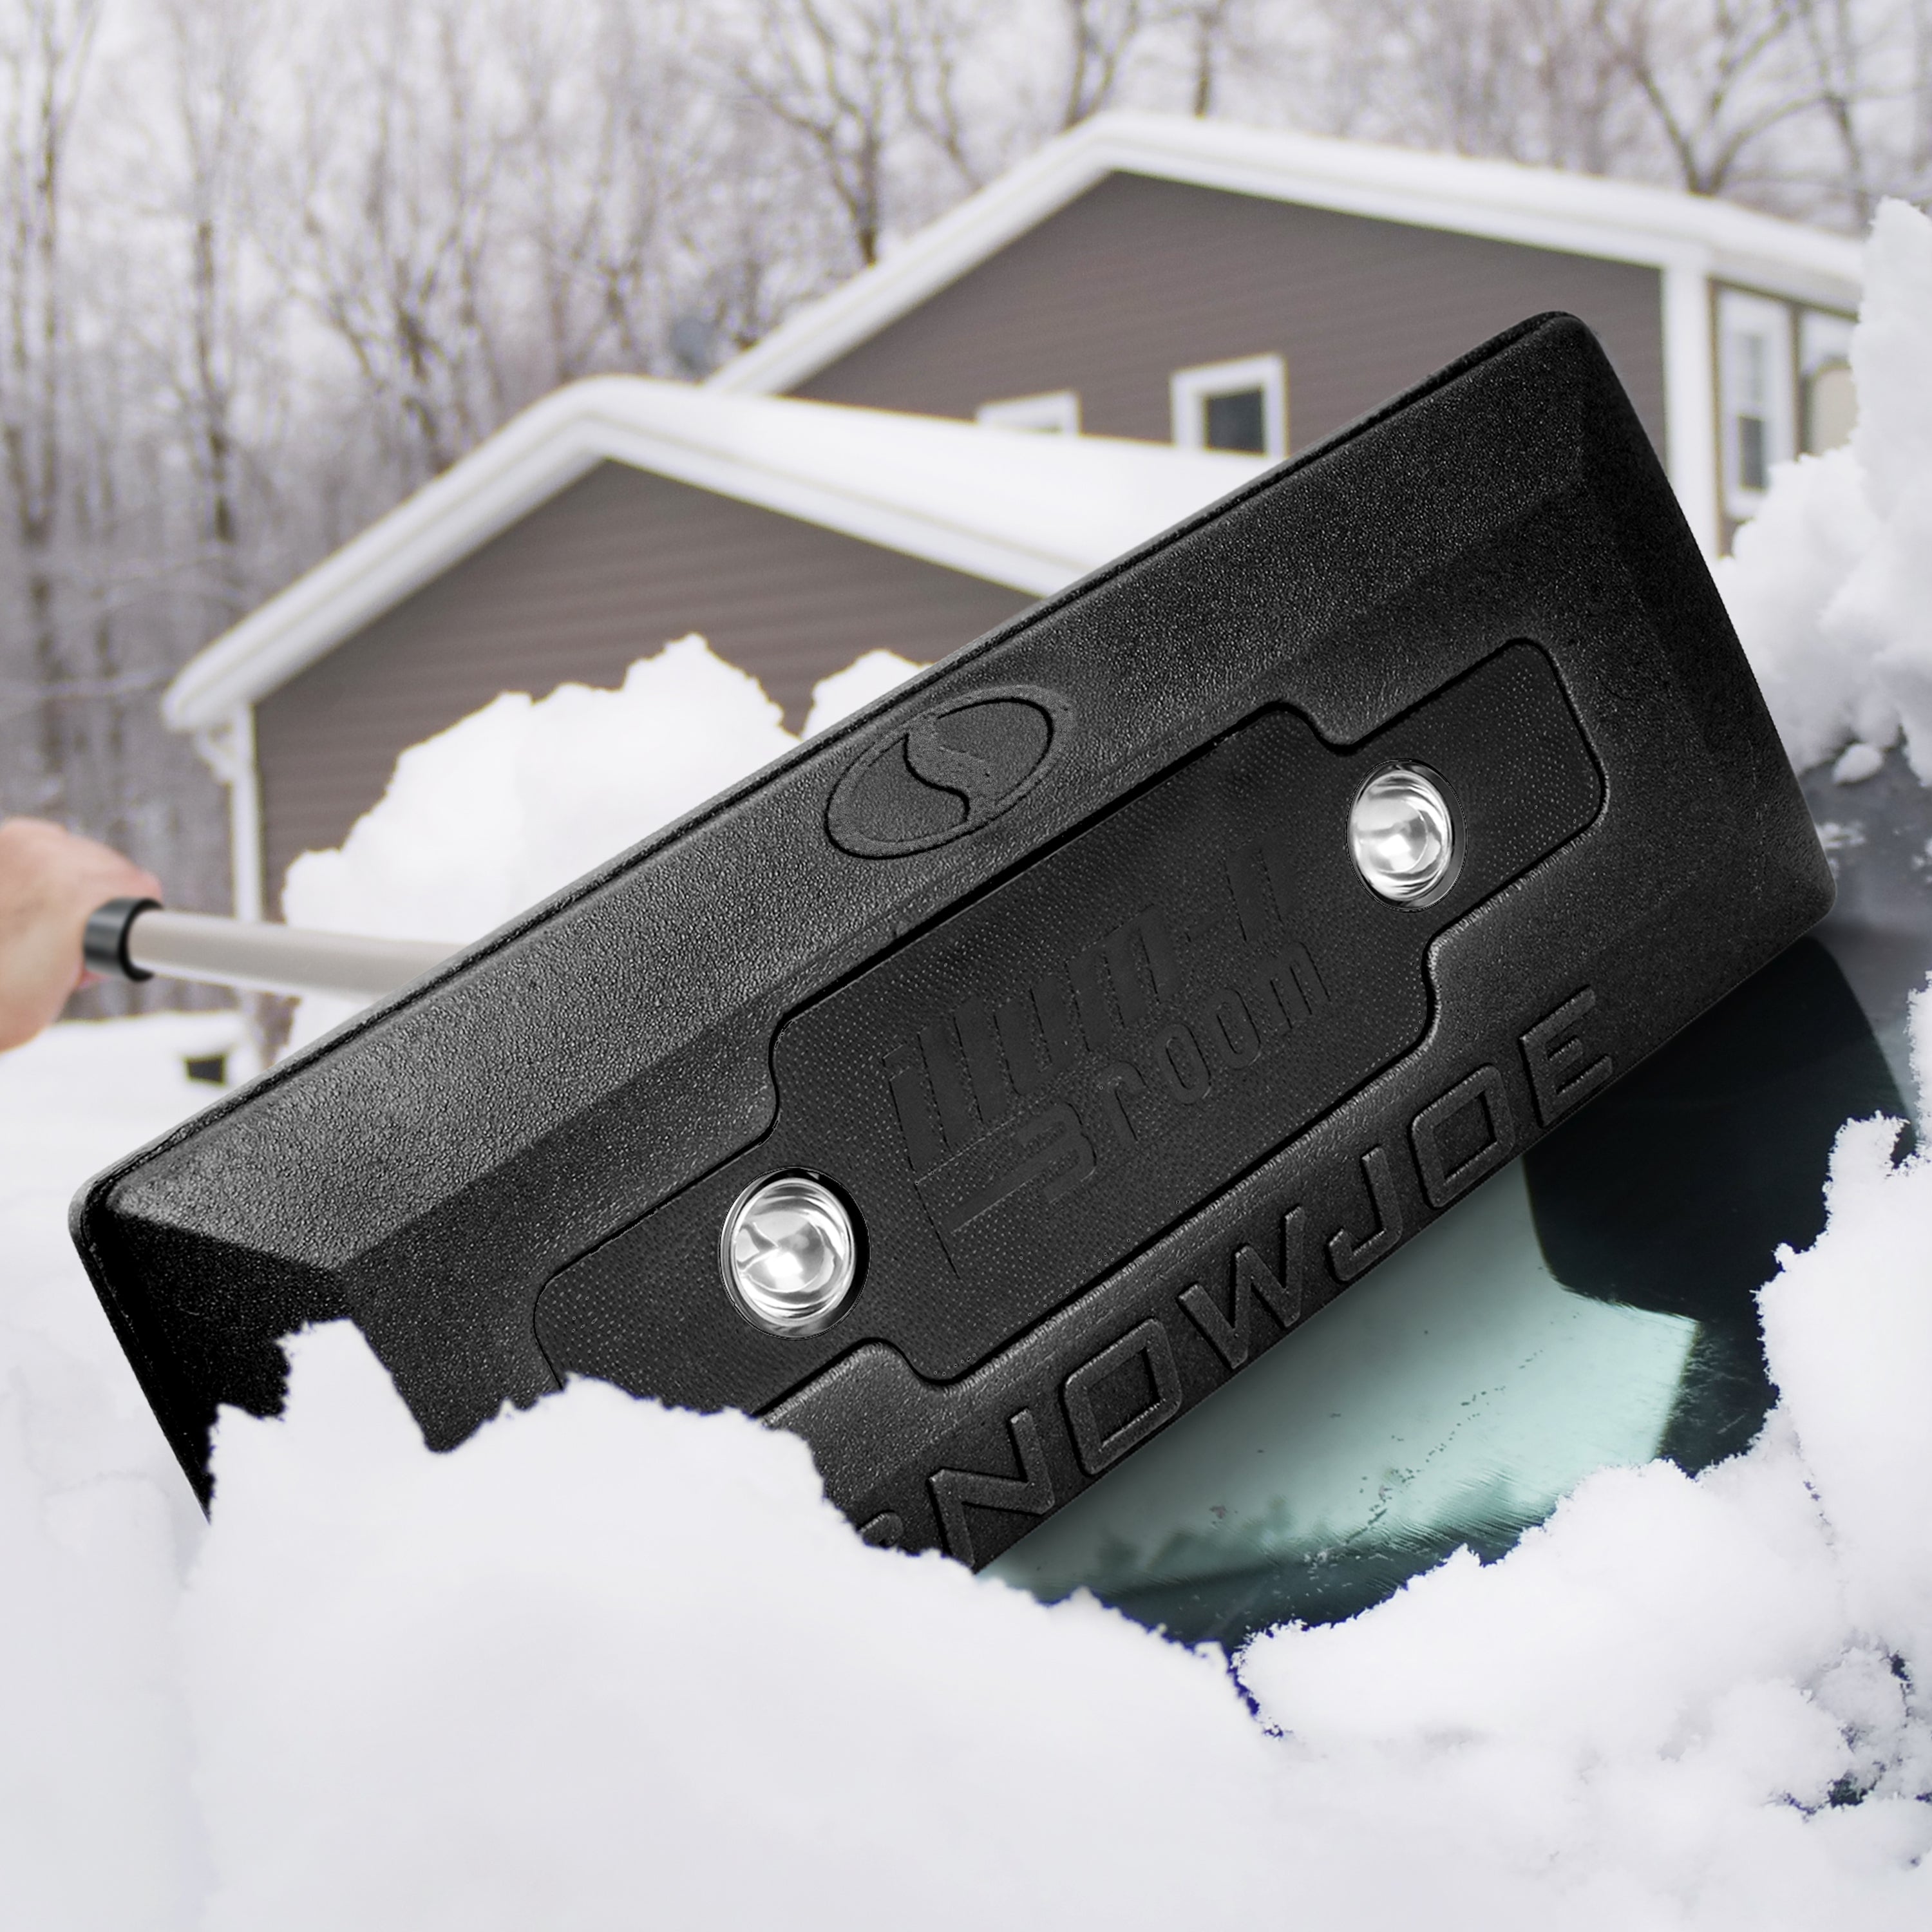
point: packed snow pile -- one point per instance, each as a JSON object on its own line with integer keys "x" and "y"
{"x": 99, "y": 1827}
{"x": 525, "y": 795}
{"x": 607, "y": 1663}
{"x": 611, "y": 1665}
{"x": 520, "y": 798}
{"x": 1830, "y": 585}
{"x": 1703, "y": 1701}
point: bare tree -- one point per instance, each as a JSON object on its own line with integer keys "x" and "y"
{"x": 1917, "y": 55}
{"x": 592, "y": 139}
{"x": 86, "y": 520}
{"x": 749, "y": 235}
{"x": 392, "y": 193}
{"x": 1719, "y": 77}
{"x": 1101, "y": 36}
{"x": 1833, "y": 47}
{"x": 43, "y": 64}
{"x": 1867, "y": 66}
{"x": 1537, "y": 81}
{"x": 830, "y": 72}
{"x": 1208, "y": 25}
{"x": 1800, "y": 105}
{"x": 211, "y": 51}
{"x": 938, "y": 41}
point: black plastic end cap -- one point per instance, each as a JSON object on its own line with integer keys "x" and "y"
{"x": 103, "y": 942}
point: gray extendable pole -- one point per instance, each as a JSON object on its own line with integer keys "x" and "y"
{"x": 135, "y": 939}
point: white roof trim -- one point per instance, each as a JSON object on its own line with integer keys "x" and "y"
{"x": 1574, "y": 214}
{"x": 1033, "y": 512}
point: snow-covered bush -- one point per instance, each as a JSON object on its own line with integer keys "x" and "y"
{"x": 1831, "y": 584}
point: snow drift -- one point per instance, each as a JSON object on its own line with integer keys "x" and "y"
{"x": 610, "y": 1663}
{"x": 1828, "y": 586}
{"x": 513, "y": 803}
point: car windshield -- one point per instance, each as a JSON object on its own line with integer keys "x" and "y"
{"x": 1593, "y": 1304}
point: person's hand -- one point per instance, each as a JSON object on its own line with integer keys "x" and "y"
{"x": 49, "y": 881}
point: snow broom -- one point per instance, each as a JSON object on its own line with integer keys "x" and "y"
{"x": 984, "y": 1083}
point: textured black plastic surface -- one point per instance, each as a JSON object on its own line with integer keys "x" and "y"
{"x": 1056, "y": 964}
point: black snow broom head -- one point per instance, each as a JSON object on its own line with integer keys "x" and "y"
{"x": 983, "y": 1085}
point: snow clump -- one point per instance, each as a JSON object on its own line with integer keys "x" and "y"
{"x": 513, "y": 803}
{"x": 1831, "y": 584}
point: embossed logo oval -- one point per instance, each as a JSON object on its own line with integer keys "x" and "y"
{"x": 950, "y": 771}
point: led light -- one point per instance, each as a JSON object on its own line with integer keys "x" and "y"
{"x": 1403, "y": 837}
{"x": 790, "y": 1254}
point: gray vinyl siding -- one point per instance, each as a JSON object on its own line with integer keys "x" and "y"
{"x": 1139, "y": 277}
{"x": 606, "y": 572}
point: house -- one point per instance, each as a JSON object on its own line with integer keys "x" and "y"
{"x": 1218, "y": 287}
{"x": 622, "y": 512}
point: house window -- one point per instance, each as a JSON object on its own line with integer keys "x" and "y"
{"x": 1237, "y": 406}
{"x": 1057, "y": 413}
{"x": 1756, "y": 386}
{"x": 1825, "y": 369}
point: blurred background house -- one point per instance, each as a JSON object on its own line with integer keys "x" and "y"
{"x": 1243, "y": 288}
{"x": 272, "y": 269}
{"x": 1163, "y": 297}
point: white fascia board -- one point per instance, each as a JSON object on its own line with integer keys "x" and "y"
{"x": 1541, "y": 207}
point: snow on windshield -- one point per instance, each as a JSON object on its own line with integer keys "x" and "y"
{"x": 607, "y": 1665}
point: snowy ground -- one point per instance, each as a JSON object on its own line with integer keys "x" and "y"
{"x": 607, "y": 1664}
{"x": 606, "y": 1654}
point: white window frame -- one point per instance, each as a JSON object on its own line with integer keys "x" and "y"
{"x": 1056, "y": 413}
{"x": 1188, "y": 391}
{"x": 1742, "y": 318}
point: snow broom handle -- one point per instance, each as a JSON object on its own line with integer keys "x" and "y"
{"x": 135, "y": 939}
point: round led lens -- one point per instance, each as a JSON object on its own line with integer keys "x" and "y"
{"x": 790, "y": 1254}
{"x": 1403, "y": 837}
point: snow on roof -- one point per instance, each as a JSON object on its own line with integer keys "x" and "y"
{"x": 1034, "y": 511}
{"x": 1540, "y": 207}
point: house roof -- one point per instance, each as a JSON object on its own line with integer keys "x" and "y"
{"x": 1030, "y": 511}
{"x": 1540, "y": 207}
